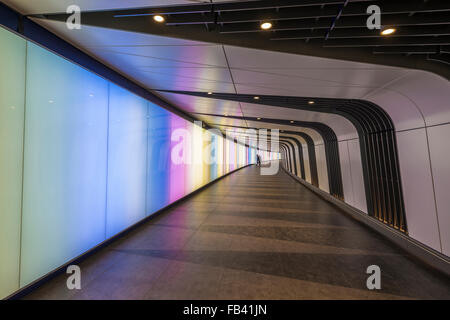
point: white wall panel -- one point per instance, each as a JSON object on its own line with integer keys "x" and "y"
{"x": 322, "y": 168}
{"x": 346, "y": 173}
{"x": 307, "y": 166}
{"x": 127, "y": 175}
{"x": 440, "y": 159}
{"x": 359, "y": 192}
{"x": 417, "y": 185}
{"x": 297, "y": 155}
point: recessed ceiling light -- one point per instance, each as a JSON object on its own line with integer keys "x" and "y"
{"x": 158, "y": 18}
{"x": 258, "y": 118}
{"x": 256, "y": 98}
{"x": 388, "y": 31}
{"x": 266, "y": 25}
{"x": 292, "y": 121}
{"x": 210, "y": 92}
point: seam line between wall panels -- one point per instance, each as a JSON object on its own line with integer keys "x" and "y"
{"x": 434, "y": 190}
{"x": 234, "y": 84}
{"x": 147, "y": 123}
{"x": 424, "y": 127}
{"x": 23, "y": 163}
{"x": 351, "y": 176}
{"x": 107, "y": 161}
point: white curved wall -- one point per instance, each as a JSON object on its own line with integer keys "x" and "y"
{"x": 419, "y": 105}
{"x": 322, "y": 171}
{"x": 352, "y": 174}
{"x": 306, "y": 159}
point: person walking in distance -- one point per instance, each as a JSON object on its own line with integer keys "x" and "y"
{"x": 258, "y": 160}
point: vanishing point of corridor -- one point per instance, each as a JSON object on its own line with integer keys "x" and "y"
{"x": 249, "y": 237}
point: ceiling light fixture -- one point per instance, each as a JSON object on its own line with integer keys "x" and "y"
{"x": 311, "y": 102}
{"x": 256, "y": 98}
{"x": 292, "y": 121}
{"x": 388, "y": 31}
{"x": 258, "y": 118}
{"x": 266, "y": 25}
{"x": 210, "y": 93}
{"x": 159, "y": 18}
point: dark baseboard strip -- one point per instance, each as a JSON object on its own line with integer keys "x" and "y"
{"x": 430, "y": 257}
{"x": 52, "y": 274}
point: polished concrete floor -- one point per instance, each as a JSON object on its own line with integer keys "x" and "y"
{"x": 250, "y": 237}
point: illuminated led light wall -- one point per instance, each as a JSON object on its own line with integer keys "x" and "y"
{"x": 252, "y": 154}
{"x": 212, "y": 156}
{"x": 178, "y": 174}
{"x": 207, "y": 148}
{"x": 197, "y": 159}
{"x": 91, "y": 158}
{"x": 220, "y": 157}
{"x": 158, "y": 158}
{"x": 65, "y": 163}
{"x": 231, "y": 152}
{"x": 127, "y": 175}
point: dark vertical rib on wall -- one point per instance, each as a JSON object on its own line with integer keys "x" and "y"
{"x": 288, "y": 161}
